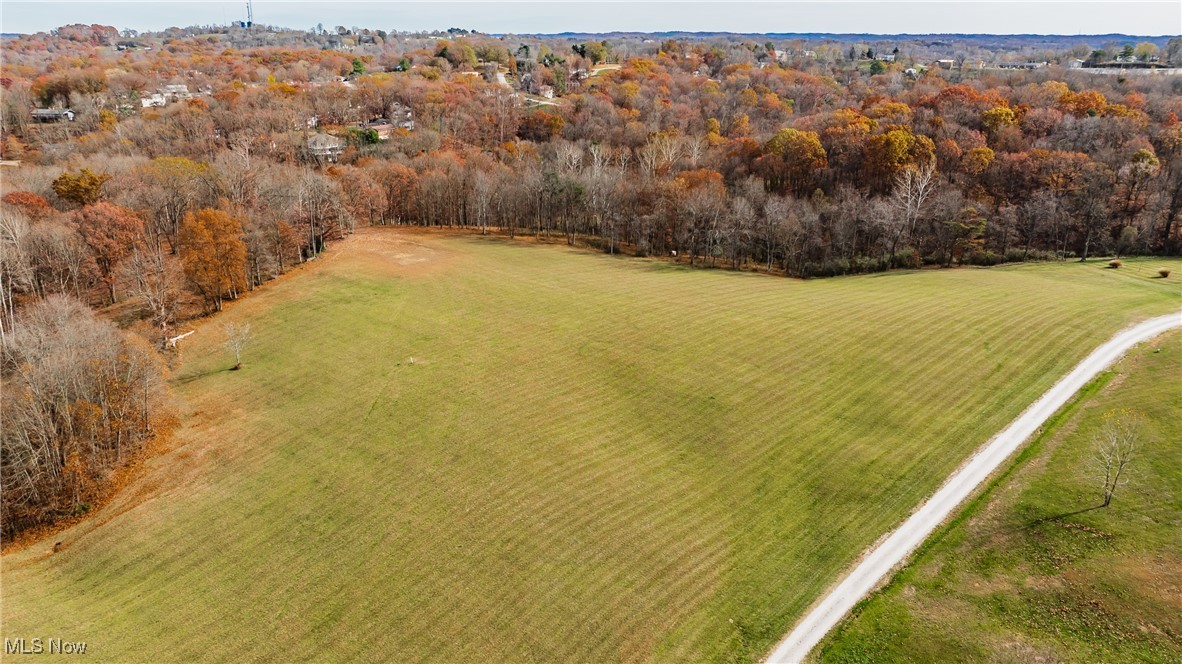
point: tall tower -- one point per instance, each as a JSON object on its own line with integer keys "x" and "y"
{"x": 249, "y": 14}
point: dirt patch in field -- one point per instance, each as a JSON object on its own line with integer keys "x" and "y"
{"x": 1159, "y": 577}
{"x": 403, "y": 251}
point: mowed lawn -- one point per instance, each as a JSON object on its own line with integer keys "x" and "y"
{"x": 1035, "y": 572}
{"x": 454, "y": 449}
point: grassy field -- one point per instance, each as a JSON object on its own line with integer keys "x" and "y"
{"x": 462, "y": 449}
{"x": 1030, "y": 573}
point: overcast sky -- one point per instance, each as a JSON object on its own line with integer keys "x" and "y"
{"x": 1152, "y": 17}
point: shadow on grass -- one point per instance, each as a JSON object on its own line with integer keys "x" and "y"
{"x": 185, "y": 380}
{"x": 1064, "y": 515}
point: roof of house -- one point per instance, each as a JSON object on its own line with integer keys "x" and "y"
{"x": 324, "y": 141}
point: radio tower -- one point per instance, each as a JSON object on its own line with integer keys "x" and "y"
{"x": 249, "y": 14}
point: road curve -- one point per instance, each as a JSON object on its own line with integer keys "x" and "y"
{"x": 895, "y": 548}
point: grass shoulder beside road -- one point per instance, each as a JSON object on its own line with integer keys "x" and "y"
{"x": 1032, "y": 570}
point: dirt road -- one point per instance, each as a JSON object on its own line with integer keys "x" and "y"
{"x": 878, "y": 564}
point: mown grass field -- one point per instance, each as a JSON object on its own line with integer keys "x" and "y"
{"x": 1033, "y": 572}
{"x": 590, "y": 458}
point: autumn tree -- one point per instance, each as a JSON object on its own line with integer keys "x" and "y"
{"x": 111, "y": 232}
{"x": 33, "y": 206}
{"x": 998, "y": 118}
{"x": 791, "y": 161}
{"x": 165, "y": 189}
{"x": 82, "y": 188}
{"x": 213, "y": 254}
{"x": 80, "y": 399}
{"x": 888, "y": 154}
{"x": 1090, "y": 203}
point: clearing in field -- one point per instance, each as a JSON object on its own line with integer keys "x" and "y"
{"x": 1037, "y": 572}
{"x": 462, "y": 449}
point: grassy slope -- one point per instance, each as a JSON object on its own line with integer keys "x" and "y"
{"x": 1028, "y": 575}
{"x": 591, "y": 458}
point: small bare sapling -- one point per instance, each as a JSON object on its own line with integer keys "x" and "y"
{"x": 1116, "y": 445}
{"x": 237, "y": 337}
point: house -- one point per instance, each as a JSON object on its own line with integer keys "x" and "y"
{"x": 809, "y": 54}
{"x": 383, "y": 127}
{"x": 546, "y": 91}
{"x": 155, "y": 100}
{"x": 911, "y": 72}
{"x": 176, "y": 92}
{"x": 945, "y": 64}
{"x": 402, "y": 116}
{"x": 574, "y": 81}
{"x": 1075, "y": 63}
{"x": 325, "y": 146}
{"x": 885, "y": 57}
{"x": 53, "y": 114}
{"x": 1020, "y": 65}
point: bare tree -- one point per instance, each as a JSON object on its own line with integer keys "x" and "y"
{"x": 60, "y": 259}
{"x": 15, "y": 270}
{"x": 238, "y": 335}
{"x": 570, "y": 156}
{"x": 79, "y": 398}
{"x": 156, "y": 281}
{"x": 695, "y": 148}
{"x": 668, "y": 150}
{"x": 913, "y": 186}
{"x": 1115, "y": 447}
{"x": 599, "y": 158}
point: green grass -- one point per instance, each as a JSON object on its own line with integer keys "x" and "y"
{"x": 591, "y": 458}
{"x": 1030, "y": 571}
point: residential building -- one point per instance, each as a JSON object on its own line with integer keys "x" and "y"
{"x": 325, "y": 146}
{"x": 383, "y": 127}
{"x": 53, "y": 115}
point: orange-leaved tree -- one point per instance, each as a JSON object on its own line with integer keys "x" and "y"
{"x": 214, "y": 254}
{"x": 111, "y": 232}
